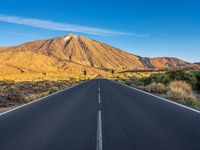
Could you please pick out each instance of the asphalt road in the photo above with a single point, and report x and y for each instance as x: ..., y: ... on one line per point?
x: 100, y: 115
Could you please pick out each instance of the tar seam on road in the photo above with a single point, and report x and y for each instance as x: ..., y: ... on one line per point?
x: 99, y: 144
x: 160, y: 98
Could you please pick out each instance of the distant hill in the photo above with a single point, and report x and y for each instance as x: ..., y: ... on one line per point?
x: 73, y: 52
x: 163, y: 62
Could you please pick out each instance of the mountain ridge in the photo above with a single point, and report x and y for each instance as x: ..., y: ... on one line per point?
x: 73, y: 49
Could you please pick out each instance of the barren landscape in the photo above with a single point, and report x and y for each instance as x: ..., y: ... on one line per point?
x: 38, y: 68
x: 99, y: 75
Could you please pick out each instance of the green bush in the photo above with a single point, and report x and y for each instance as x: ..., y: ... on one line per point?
x: 147, y: 81
x: 176, y: 74
x: 180, y: 74
x: 160, y: 78
x: 138, y: 81
x: 190, y: 78
x: 192, y: 103
x: 197, y: 75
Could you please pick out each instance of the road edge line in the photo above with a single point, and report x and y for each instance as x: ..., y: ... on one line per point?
x: 161, y: 98
x: 39, y: 99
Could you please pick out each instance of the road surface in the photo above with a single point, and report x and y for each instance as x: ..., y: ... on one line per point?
x: 100, y: 115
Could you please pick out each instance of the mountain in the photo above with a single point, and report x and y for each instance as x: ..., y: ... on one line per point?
x: 71, y: 51
x: 163, y: 62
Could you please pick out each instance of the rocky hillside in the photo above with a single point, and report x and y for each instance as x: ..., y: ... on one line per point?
x: 61, y: 53
x: 163, y: 62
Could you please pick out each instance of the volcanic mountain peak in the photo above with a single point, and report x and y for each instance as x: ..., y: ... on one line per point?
x: 66, y: 38
x: 80, y: 51
x: 69, y: 36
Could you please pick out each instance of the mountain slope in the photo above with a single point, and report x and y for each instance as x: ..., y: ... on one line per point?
x: 81, y: 50
x: 163, y: 62
x: 58, y: 54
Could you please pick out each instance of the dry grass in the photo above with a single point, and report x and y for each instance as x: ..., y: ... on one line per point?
x: 128, y: 75
x: 50, y: 76
x: 14, y: 93
x: 181, y: 91
x: 156, y: 88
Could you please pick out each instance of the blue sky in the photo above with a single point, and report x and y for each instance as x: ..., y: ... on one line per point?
x: 143, y: 27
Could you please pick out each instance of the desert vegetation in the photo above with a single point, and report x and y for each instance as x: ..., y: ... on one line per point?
x: 179, y: 85
x: 15, y: 93
x: 19, y: 88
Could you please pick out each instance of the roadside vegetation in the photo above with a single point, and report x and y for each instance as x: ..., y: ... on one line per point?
x: 20, y: 88
x: 16, y: 93
x: 178, y: 85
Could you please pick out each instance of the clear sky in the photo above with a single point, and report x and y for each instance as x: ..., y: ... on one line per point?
x: 144, y: 27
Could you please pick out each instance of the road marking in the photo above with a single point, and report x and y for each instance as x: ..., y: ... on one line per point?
x: 161, y: 98
x: 26, y: 104
x: 99, y: 86
x: 99, y: 144
x: 99, y: 100
x: 99, y: 93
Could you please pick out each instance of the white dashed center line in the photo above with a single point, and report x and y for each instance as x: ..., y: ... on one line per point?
x: 99, y: 93
x: 99, y: 145
x: 99, y: 99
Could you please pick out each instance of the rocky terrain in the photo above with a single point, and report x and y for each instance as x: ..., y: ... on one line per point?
x: 71, y: 53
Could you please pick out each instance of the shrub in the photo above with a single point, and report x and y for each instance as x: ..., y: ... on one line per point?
x: 128, y: 83
x: 156, y: 87
x: 137, y: 81
x: 197, y: 75
x: 53, y: 90
x: 181, y: 91
x: 160, y: 78
x: 176, y: 74
x: 13, y: 96
x: 180, y: 74
x: 147, y: 81
x: 190, y: 78
x: 193, y: 103
x: 3, y: 101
